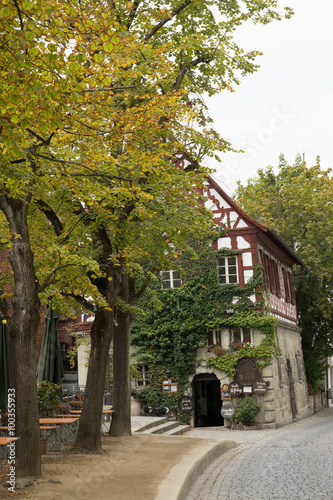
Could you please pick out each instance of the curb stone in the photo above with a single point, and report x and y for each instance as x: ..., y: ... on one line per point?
x: 182, y: 476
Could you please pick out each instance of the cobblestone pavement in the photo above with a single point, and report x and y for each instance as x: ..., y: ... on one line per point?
x: 294, y: 462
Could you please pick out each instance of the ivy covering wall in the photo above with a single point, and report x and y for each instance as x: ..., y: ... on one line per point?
x: 174, y: 323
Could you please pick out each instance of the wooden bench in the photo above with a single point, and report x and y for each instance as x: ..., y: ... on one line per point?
x: 6, y: 440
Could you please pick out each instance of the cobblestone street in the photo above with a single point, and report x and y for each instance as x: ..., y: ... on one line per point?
x: 293, y: 462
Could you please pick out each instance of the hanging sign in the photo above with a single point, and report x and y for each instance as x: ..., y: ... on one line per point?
x: 235, y: 389
x: 227, y: 411
x: 247, y: 373
x: 260, y: 387
x: 225, y: 394
x: 185, y: 404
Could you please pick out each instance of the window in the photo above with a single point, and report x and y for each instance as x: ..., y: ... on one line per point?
x: 227, y: 270
x: 215, y: 337
x: 288, y: 281
x: 144, y: 379
x: 241, y: 335
x: 171, y: 279
x: 271, y: 272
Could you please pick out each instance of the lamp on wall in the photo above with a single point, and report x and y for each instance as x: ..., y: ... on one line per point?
x: 230, y: 311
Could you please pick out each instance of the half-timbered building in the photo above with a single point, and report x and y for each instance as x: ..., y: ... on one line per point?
x: 249, y: 244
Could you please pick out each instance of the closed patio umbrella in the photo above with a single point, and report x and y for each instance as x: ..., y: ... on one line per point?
x: 4, y: 363
x: 4, y: 358
x: 50, y: 363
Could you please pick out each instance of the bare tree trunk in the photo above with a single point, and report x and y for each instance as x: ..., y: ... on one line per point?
x: 121, y: 418
x: 23, y: 329
x: 89, y: 433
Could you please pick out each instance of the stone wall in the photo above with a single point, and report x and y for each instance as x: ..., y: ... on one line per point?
x: 287, y: 397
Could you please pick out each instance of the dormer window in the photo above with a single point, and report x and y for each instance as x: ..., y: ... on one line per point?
x: 171, y: 279
x: 227, y: 270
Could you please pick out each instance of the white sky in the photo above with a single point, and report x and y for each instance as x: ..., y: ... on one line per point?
x: 286, y: 106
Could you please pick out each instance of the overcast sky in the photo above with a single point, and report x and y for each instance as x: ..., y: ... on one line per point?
x: 286, y: 106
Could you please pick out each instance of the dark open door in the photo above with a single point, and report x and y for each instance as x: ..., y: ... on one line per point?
x: 207, y: 400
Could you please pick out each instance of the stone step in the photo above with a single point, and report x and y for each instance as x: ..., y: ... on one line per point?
x: 141, y: 424
x: 178, y: 431
x: 166, y: 427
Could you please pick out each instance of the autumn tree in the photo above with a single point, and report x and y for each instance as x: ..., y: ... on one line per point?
x: 74, y: 82
x: 296, y: 201
x: 53, y: 56
x: 179, y: 50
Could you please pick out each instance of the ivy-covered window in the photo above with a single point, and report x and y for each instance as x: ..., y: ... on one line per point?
x: 215, y: 337
x: 241, y: 335
x: 227, y: 270
x: 171, y: 279
x: 143, y: 381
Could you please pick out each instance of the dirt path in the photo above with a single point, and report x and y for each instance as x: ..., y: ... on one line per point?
x: 132, y: 469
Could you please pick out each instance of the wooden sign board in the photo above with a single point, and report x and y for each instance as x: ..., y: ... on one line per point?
x: 260, y: 387
x: 227, y: 411
x: 186, y: 404
x: 225, y: 394
x: 235, y: 389
x: 247, y: 372
x: 170, y: 387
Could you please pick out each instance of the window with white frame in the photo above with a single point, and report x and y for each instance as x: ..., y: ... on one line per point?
x: 241, y: 335
x: 215, y: 337
x: 143, y: 381
x: 227, y: 270
x: 171, y: 279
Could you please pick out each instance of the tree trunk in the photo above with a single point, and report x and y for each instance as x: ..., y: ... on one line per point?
x: 121, y: 418
x: 89, y: 433
x: 23, y: 329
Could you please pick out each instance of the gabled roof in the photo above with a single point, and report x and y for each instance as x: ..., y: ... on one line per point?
x: 270, y: 233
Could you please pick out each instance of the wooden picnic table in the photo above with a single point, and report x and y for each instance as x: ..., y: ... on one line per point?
x: 65, y: 415
x: 6, y: 440
x: 55, y: 421
x: 42, y: 427
x: 104, y: 412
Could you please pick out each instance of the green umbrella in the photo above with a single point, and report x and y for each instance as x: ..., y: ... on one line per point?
x: 50, y: 363
x: 4, y: 363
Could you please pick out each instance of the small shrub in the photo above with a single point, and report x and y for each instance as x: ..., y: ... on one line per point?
x: 48, y: 399
x: 246, y: 411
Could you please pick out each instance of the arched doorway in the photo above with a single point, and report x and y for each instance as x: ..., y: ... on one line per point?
x: 207, y: 400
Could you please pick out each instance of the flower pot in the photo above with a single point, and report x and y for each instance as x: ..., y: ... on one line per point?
x: 43, y: 446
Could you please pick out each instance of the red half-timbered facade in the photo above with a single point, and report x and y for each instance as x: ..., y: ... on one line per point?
x: 257, y: 244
